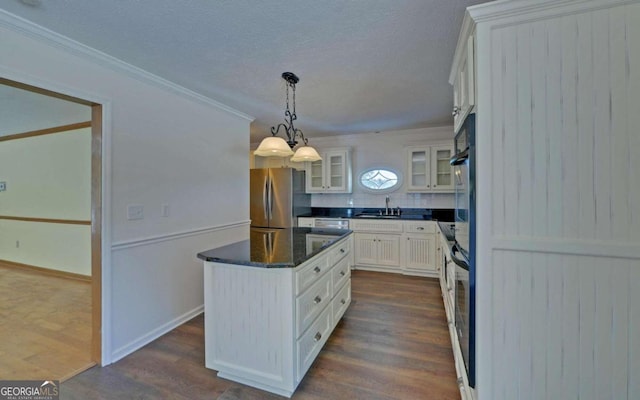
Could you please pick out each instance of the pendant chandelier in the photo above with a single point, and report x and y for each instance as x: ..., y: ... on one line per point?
x: 276, y: 146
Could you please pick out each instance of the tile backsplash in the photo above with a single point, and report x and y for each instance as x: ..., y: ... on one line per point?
x: 402, y: 200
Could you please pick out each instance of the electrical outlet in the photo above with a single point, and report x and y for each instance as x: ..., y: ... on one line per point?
x: 135, y: 211
x: 3, y: 186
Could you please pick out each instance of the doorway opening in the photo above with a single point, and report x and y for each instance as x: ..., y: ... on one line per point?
x: 49, y: 234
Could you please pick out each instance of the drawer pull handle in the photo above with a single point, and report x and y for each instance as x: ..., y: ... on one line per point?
x: 342, y: 273
x: 317, y: 337
x: 316, y: 270
x: 420, y: 228
x: 317, y: 300
x: 343, y: 301
x: 341, y: 250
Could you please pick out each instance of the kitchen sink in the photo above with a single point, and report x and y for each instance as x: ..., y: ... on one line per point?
x: 377, y: 216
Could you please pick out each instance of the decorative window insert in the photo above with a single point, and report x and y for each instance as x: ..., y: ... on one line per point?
x: 379, y: 180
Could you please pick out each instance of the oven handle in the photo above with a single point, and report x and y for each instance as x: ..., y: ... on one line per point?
x: 460, y: 158
x: 460, y: 262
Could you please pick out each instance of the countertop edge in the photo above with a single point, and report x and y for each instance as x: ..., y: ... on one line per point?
x: 344, y: 233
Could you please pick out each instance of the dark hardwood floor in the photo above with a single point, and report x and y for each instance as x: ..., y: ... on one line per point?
x: 392, y: 343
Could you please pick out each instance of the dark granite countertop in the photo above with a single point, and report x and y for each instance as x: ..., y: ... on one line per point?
x: 276, y: 248
x: 412, y: 214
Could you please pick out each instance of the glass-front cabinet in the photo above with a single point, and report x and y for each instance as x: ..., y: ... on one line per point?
x: 428, y: 168
x: 332, y: 174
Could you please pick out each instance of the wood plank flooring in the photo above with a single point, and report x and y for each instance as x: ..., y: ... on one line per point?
x: 392, y: 343
x: 45, y: 325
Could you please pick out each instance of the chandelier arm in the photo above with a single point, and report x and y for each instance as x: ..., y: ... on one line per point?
x: 299, y: 133
x: 275, y: 130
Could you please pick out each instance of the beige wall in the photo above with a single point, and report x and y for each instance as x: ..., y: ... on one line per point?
x: 47, y: 177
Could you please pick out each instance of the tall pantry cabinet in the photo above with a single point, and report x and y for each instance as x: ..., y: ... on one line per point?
x: 557, y: 93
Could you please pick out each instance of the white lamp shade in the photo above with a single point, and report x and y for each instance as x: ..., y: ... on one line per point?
x: 306, y: 153
x: 273, y: 147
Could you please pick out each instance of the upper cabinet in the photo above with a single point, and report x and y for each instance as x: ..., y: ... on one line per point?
x: 463, y: 77
x: 428, y: 168
x: 332, y: 174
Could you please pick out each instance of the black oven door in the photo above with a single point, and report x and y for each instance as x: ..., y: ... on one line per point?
x: 465, y: 237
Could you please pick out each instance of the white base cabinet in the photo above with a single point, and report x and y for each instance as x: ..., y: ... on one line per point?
x: 265, y: 326
x: 377, y: 250
x: 407, y: 247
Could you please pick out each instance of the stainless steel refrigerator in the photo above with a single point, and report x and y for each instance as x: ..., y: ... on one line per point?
x: 277, y: 197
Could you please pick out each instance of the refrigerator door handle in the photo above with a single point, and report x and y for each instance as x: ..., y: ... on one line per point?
x: 270, y: 200
x: 265, y: 197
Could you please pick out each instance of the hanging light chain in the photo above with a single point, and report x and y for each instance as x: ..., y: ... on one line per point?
x: 288, y: 127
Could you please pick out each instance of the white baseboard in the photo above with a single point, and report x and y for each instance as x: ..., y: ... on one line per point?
x: 393, y: 270
x: 154, y: 334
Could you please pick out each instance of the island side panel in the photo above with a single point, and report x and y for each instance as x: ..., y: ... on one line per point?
x: 249, y: 324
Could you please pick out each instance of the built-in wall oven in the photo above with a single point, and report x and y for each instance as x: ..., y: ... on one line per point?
x: 463, y: 251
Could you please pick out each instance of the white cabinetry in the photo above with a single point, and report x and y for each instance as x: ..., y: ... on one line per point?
x: 332, y: 174
x: 306, y: 222
x: 428, y: 168
x: 464, y: 84
x: 407, y: 247
x: 377, y: 244
x: 377, y: 249
x: 267, y: 341
x: 419, y: 251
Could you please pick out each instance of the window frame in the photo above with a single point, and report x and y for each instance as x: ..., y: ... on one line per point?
x: 394, y: 188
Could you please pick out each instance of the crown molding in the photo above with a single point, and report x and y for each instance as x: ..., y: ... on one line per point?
x: 536, y: 9
x: 51, y: 38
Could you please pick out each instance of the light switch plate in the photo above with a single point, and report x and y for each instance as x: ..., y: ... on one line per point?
x: 3, y: 186
x: 135, y: 211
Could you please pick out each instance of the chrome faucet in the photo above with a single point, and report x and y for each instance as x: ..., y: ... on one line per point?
x: 386, y: 208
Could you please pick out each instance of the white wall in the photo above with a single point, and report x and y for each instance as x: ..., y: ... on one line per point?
x: 47, y: 177
x: 384, y: 149
x: 167, y: 146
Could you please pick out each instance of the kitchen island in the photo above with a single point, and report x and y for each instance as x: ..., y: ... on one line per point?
x: 272, y: 301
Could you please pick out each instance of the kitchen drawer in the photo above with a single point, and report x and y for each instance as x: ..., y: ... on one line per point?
x: 340, y: 251
x: 311, y: 303
x: 420, y: 227
x: 361, y: 225
x: 310, y: 344
x: 310, y: 273
x: 340, y: 273
x: 341, y: 302
x: 306, y: 222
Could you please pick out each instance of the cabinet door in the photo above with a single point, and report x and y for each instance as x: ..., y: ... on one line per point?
x: 365, y: 248
x: 420, y: 252
x: 314, y: 177
x: 332, y: 174
x: 441, y: 169
x: 464, y: 86
x: 418, y: 159
x: 335, y: 171
x: 388, y: 250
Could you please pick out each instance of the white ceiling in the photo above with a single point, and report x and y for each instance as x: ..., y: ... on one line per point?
x: 364, y: 65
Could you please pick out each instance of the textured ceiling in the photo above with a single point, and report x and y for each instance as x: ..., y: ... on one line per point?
x: 364, y: 65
